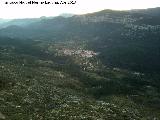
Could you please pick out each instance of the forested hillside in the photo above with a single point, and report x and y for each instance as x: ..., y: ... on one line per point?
x: 98, y: 66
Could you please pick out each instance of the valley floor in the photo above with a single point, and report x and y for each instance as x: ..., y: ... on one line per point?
x: 54, y: 81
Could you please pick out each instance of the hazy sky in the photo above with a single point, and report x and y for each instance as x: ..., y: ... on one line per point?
x: 81, y: 7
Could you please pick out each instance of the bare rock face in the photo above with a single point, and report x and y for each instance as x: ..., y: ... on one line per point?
x: 2, y: 116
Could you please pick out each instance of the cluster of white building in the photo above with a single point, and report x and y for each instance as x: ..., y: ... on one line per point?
x: 82, y: 53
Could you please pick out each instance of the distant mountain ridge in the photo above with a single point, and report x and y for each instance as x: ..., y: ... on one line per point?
x: 128, y: 39
x: 66, y: 15
x: 97, y: 66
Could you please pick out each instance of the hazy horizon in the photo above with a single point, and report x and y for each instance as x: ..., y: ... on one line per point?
x: 12, y: 11
x: 61, y: 14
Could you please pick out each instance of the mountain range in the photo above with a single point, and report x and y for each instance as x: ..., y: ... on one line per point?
x: 128, y: 39
x: 96, y: 66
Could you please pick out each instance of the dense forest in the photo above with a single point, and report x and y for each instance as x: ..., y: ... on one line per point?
x: 97, y: 66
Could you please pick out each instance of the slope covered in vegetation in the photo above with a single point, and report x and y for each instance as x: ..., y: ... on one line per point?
x: 100, y: 66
